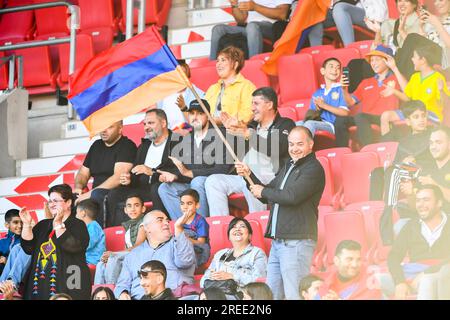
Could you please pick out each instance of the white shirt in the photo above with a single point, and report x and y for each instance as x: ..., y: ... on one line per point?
x: 256, y: 16
x: 432, y: 235
x: 376, y: 10
x: 154, y: 155
x: 198, y: 138
x: 260, y: 164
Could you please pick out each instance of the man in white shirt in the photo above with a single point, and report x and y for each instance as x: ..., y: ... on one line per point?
x: 152, y: 156
x: 254, y: 19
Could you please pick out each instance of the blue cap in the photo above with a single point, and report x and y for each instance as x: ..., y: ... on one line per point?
x: 381, y: 51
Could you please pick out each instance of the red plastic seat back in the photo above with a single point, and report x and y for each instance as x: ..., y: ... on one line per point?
x: 297, y: 77
x: 258, y: 235
x: 134, y: 132
x: 3, y: 73
x: 344, y: 225
x: 362, y: 46
x: 262, y: 218
x: 356, y: 170
x: 85, y: 52
x: 288, y: 112
x: 204, y: 77
x: 218, y: 237
x: 98, y: 13
x: 115, y: 238
x: 328, y: 192
x: 334, y: 156
x: 51, y: 21
x: 252, y: 71
x: 386, y: 151
x: 317, y: 49
x: 37, y: 66
x: 151, y: 12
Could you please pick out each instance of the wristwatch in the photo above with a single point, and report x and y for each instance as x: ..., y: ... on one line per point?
x: 60, y: 226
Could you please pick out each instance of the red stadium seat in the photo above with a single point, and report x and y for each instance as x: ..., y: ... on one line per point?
x: 51, y: 22
x: 392, y: 8
x: 238, y: 205
x: 134, y: 132
x: 288, y: 112
x: 218, y: 237
x: 201, y: 62
x: 356, y: 170
x: 324, y: 140
x: 84, y: 52
x: 386, y: 151
x: 163, y: 12
x: 16, y: 27
x: 297, y: 77
x: 335, y: 156
x: 156, y: 12
x: 97, y: 20
x: 320, y: 251
x: 3, y: 234
x: 363, y: 47
x: 252, y: 71
x: 344, y: 225
x: 343, y: 55
x: 258, y: 235
x: 115, y: 238
x: 263, y: 218
x: 302, y: 106
x: 317, y: 49
x: 328, y: 192
x: 204, y: 77
x: 38, y: 75
x: 262, y: 56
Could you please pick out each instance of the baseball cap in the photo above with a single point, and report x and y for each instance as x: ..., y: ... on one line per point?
x: 381, y: 51
x: 194, y: 105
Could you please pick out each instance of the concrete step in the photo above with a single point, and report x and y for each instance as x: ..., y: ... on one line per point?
x: 201, y: 17
x: 190, y: 34
x: 40, y: 166
x: 194, y: 50
x: 61, y: 147
x: 36, y: 183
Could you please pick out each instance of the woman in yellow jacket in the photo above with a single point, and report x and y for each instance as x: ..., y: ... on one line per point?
x: 231, y: 97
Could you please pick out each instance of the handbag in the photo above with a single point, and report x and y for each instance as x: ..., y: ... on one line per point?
x: 313, y: 115
x: 228, y: 286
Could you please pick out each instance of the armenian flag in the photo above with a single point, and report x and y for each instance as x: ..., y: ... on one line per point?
x: 125, y: 80
x: 307, y: 14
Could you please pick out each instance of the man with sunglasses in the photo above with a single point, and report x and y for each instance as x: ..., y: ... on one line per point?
x: 153, y: 276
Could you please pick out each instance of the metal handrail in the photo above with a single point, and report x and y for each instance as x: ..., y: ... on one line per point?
x: 129, y: 18
x: 74, y: 25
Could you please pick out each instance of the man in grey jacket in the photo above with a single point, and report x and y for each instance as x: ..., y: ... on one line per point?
x: 294, y: 194
x: 176, y: 252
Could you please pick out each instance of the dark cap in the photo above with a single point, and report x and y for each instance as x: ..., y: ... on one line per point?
x: 194, y: 105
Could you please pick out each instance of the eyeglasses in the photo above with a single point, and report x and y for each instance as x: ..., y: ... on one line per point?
x: 56, y: 201
x: 144, y: 273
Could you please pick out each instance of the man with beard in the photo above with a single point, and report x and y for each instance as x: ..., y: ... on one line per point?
x: 105, y: 162
x: 152, y: 155
x: 200, y: 155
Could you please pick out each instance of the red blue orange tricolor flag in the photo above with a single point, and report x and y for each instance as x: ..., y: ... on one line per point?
x: 125, y: 80
x: 307, y: 14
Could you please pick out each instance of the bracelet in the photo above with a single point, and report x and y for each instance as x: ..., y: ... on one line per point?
x: 59, y: 226
x: 184, y: 109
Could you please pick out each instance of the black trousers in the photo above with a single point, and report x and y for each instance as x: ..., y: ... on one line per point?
x: 362, y: 122
x: 116, y: 202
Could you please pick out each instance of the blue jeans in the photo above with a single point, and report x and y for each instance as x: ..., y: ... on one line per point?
x: 220, y: 186
x: 289, y: 262
x: 16, y: 266
x: 108, y: 273
x: 343, y: 16
x: 254, y: 31
x: 314, y: 125
x: 170, y: 196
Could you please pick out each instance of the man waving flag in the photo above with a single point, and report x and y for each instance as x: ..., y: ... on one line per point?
x: 125, y: 80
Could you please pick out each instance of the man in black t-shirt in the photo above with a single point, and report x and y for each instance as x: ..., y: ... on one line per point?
x: 106, y: 160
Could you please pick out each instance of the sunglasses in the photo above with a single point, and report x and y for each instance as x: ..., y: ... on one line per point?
x: 144, y: 273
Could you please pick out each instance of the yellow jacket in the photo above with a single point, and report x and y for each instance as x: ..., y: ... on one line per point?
x: 236, y: 99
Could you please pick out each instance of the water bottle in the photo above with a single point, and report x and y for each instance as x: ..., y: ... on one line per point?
x: 387, y: 161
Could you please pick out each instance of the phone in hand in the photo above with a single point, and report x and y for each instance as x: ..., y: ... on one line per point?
x: 346, y: 73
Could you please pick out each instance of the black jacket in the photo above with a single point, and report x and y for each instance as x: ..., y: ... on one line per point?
x: 210, y: 158
x: 142, y: 180
x: 167, y: 294
x: 298, y: 201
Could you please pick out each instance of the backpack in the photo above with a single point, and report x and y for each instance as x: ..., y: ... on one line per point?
x: 238, y: 40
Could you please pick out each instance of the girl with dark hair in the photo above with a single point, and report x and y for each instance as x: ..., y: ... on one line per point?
x: 58, y: 249
x: 103, y: 293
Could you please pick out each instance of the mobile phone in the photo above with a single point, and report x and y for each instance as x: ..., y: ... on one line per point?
x: 346, y: 72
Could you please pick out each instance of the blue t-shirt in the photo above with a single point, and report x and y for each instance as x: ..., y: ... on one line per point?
x: 334, y: 97
x: 198, y: 228
x: 96, y: 243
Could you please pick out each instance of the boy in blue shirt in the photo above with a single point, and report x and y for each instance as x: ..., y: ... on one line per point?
x: 195, y: 226
x: 14, y: 225
x: 87, y: 211
x: 328, y: 100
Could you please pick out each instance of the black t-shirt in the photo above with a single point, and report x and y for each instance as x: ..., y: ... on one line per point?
x: 101, y: 159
